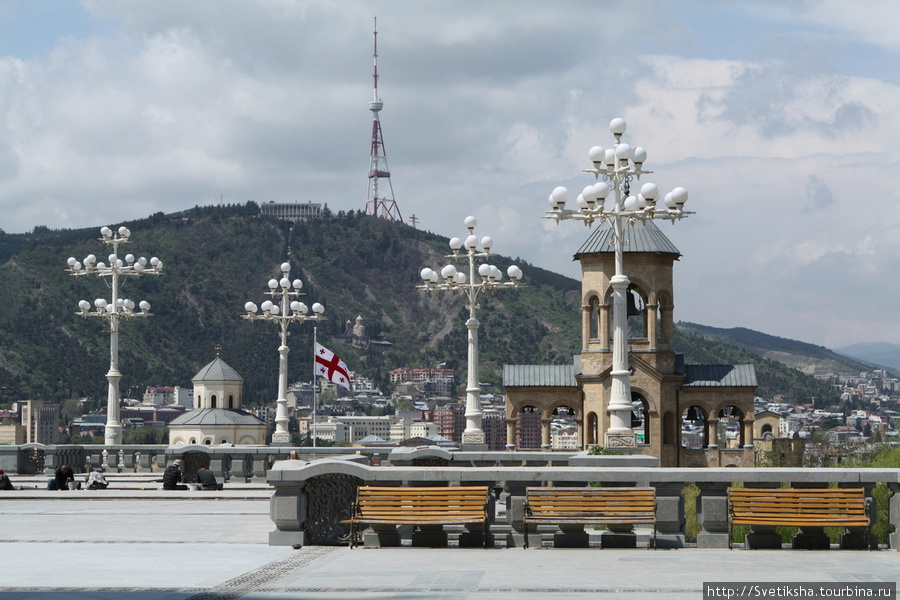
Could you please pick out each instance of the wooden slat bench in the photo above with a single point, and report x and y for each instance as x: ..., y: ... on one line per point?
x: 590, y: 506
x: 798, y: 507
x: 461, y: 505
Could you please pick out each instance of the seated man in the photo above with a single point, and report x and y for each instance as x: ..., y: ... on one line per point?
x: 63, y: 479
x: 207, y: 479
x: 5, y: 483
x: 172, y: 477
x: 96, y: 481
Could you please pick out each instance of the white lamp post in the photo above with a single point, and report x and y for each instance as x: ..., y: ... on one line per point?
x: 617, y: 167
x: 117, y: 308
x: 283, y: 311
x: 490, y: 278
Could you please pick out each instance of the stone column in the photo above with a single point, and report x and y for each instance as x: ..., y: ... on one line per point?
x: 712, y: 431
x: 515, y: 516
x: 652, y: 325
x: 712, y: 514
x: 511, y: 433
x: 287, y: 509
x: 545, y: 433
x: 670, y: 515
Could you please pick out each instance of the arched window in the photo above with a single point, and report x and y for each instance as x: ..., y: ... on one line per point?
x: 231, y: 401
x: 212, y: 401
x: 640, y: 418
x: 693, y: 428
x: 208, y: 442
x: 595, y: 318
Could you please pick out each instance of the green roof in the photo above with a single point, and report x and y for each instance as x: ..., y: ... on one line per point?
x: 217, y: 370
x: 642, y: 236
x: 719, y: 376
x: 539, y: 376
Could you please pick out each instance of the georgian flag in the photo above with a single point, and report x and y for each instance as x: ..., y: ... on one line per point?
x: 331, y: 367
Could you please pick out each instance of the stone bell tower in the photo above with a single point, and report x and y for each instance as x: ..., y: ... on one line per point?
x: 649, y: 258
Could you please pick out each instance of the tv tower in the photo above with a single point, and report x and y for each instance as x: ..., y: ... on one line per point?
x: 380, y: 197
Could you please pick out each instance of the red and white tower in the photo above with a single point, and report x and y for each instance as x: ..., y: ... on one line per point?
x: 380, y: 197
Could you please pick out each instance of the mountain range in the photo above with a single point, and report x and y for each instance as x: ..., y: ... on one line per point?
x: 217, y: 258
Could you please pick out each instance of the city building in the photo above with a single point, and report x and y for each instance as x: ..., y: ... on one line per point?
x: 292, y: 211
x: 41, y: 421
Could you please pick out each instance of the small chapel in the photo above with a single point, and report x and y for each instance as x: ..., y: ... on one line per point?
x: 685, y: 415
x: 217, y: 417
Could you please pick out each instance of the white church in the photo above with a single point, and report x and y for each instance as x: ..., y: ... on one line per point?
x: 217, y: 417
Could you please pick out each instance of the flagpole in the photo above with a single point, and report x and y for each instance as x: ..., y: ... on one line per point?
x: 315, y: 341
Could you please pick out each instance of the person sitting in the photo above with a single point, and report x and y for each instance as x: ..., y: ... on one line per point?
x: 207, y: 479
x: 5, y: 483
x: 172, y: 477
x: 62, y: 478
x: 96, y: 481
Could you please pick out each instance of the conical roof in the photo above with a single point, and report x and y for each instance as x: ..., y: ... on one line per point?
x: 642, y: 236
x: 217, y: 370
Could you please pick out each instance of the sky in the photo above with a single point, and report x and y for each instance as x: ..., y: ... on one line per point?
x: 779, y: 117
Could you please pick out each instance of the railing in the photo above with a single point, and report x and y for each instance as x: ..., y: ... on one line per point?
x: 311, y: 498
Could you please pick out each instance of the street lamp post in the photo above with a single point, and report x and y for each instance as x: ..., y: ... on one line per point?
x: 114, y: 310
x: 615, y: 168
x: 284, y: 310
x: 490, y: 279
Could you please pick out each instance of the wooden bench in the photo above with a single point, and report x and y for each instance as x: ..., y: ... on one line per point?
x: 461, y: 505
x: 798, y: 507
x: 590, y: 506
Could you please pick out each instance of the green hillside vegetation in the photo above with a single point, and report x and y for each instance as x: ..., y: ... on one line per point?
x: 772, y: 377
x: 218, y: 258
x: 809, y: 358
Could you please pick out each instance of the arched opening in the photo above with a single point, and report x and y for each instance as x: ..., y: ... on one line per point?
x: 693, y: 428
x: 224, y: 441
x: 231, y: 401
x: 208, y: 442
x: 212, y: 401
x: 730, y: 430
x: 193, y: 440
x: 528, y: 428
x: 564, y: 429
x: 640, y: 418
x: 636, y: 310
x: 595, y: 318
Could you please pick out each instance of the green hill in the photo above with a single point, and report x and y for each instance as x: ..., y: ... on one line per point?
x: 217, y: 258
x: 809, y: 358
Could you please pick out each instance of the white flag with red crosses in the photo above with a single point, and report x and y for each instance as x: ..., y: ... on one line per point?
x: 331, y: 367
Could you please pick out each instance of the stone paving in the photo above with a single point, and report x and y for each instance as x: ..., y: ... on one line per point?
x: 156, y: 547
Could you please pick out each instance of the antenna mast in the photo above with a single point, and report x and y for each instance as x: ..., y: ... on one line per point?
x: 380, y: 197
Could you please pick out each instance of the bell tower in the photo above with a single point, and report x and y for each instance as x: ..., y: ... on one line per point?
x: 649, y: 259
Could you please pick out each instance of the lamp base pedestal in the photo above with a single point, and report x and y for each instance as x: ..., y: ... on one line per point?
x: 615, y: 440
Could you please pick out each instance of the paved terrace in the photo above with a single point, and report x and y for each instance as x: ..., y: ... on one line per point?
x: 136, y: 544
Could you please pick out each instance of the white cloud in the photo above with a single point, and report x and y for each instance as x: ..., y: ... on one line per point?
x: 791, y: 161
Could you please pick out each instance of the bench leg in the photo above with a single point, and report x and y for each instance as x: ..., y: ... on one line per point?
x: 429, y: 536
x: 762, y: 537
x: 381, y: 536
x: 475, y: 535
x: 810, y: 538
x: 571, y: 536
x: 618, y: 536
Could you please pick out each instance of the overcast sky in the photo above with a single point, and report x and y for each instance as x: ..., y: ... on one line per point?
x: 780, y: 118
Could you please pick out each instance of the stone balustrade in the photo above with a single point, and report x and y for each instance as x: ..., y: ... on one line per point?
x: 312, y: 497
